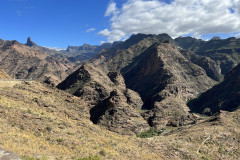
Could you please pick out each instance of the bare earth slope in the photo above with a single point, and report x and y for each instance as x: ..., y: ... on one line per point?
x: 38, y: 121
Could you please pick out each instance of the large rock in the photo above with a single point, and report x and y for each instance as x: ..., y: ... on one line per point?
x: 6, y: 155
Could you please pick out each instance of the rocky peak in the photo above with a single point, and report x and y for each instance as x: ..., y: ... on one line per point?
x: 117, y: 79
x: 134, y: 39
x: 30, y: 43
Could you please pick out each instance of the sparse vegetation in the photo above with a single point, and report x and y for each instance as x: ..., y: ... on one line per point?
x: 102, y: 153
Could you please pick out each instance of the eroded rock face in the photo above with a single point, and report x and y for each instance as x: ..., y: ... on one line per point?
x: 134, y: 99
x: 169, y: 112
x: 162, y: 71
x: 117, y: 115
x: 117, y: 79
x: 30, y: 43
x: 89, y: 83
x: 6, y: 155
x: 111, y: 104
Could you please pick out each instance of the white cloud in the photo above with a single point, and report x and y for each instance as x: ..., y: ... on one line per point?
x: 196, y: 17
x: 55, y: 48
x: 90, y: 29
x: 111, y: 9
x: 237, y: 35
x: 104, y: 32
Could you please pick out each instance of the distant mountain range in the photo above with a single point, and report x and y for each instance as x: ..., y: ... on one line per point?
x: 30, y: 61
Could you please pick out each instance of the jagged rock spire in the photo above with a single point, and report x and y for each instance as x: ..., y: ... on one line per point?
x: 30, y: 43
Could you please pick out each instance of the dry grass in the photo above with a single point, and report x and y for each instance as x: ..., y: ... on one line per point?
x: 36, y: 121
x: 45, y: 123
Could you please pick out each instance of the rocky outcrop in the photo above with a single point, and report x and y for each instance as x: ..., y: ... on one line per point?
x: 6, y: 155
x: 117, y: 115
x: 224, y: 96
x: 30, y: 43
x: 117, y: 79
x: 111, y: 104
x: 169, y: 112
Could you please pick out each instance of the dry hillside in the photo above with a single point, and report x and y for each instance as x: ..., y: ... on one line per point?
x: 41, y: 122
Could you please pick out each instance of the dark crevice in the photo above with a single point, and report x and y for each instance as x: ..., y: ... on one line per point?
x: 98, y: 110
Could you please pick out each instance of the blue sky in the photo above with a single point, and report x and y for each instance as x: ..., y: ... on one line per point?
x: 59, y: 23
x: 54, y: 23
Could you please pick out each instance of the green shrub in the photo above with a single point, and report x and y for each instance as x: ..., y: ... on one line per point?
x: 150, y: 133
x: 102, y: 153
x: 90, y: 158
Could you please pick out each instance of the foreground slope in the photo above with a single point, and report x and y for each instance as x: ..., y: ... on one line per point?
x: 46, y: 123
x: 38, y: 121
